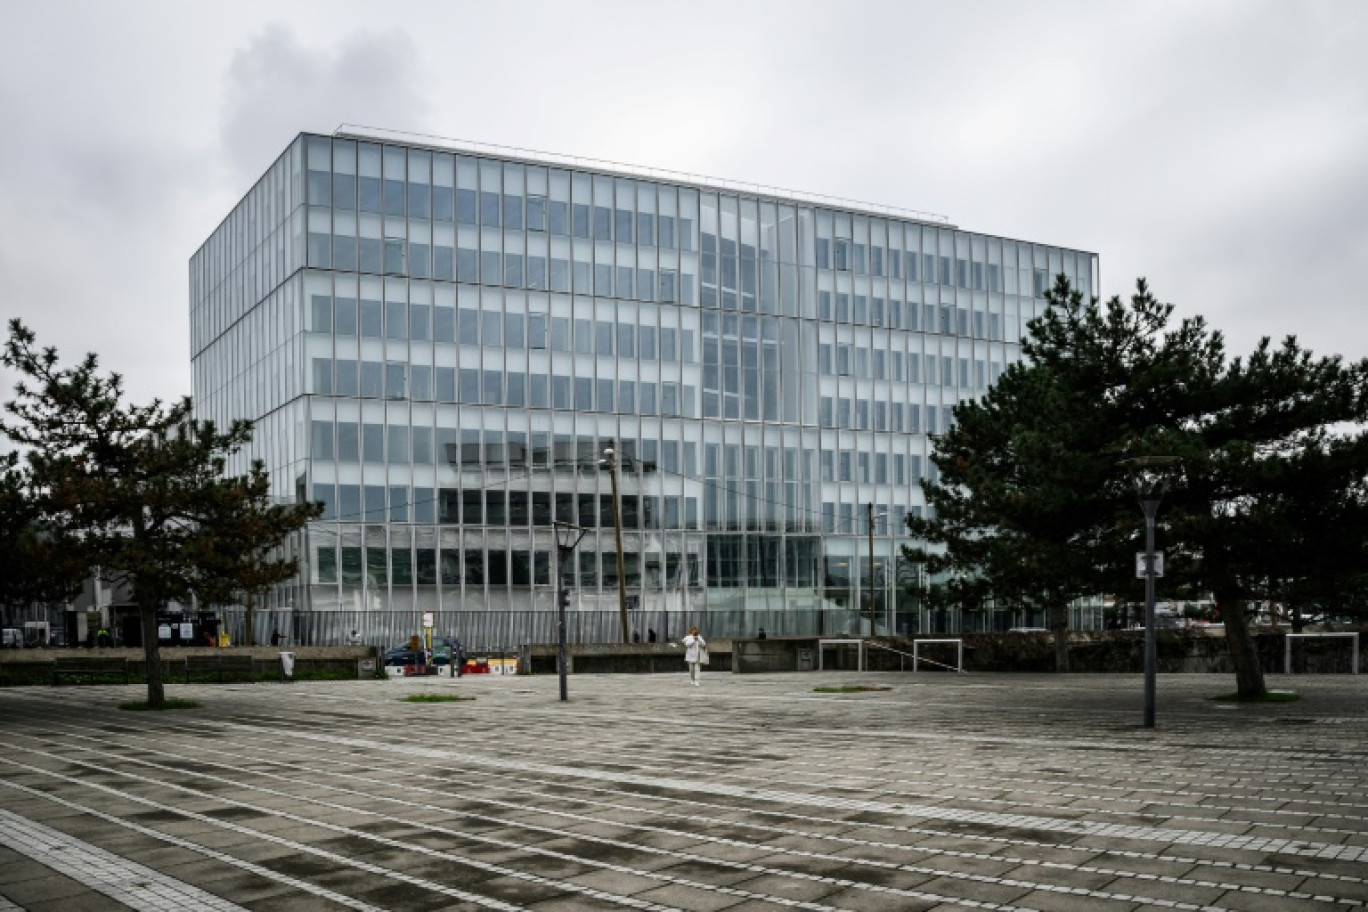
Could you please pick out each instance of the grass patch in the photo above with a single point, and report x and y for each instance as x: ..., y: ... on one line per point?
x: 142, y: 705
x: 435, y: 698
x: 849, y: 689
x: 1273, y: 696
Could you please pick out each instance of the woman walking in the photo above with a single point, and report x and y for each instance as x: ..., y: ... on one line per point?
x: 696, y: 655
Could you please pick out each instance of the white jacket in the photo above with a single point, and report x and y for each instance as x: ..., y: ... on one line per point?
x: 692, y: 646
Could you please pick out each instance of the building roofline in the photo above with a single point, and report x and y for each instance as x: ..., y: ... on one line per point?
x: 704, y: 182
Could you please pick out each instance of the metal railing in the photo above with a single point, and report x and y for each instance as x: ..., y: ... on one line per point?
x: 493, y: 631
x: 363, y: 132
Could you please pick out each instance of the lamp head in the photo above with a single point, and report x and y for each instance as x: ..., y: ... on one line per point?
x: 568, y: 535
x: 1151, y: 474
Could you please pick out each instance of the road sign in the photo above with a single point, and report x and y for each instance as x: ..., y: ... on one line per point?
x: 427, y: 620
x: 1140, y: 564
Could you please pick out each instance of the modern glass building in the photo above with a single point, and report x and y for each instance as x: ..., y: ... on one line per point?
x: 439, y: 340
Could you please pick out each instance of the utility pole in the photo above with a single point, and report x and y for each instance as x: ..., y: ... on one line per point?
x: 610, y: 457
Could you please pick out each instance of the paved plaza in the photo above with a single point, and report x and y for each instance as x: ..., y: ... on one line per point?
x: 944, y: 792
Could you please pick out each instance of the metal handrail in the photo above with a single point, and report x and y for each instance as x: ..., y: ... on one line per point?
x: 360, y: 131
x: 916, y: 656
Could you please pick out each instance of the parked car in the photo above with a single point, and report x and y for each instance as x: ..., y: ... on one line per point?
x: 402, y: 656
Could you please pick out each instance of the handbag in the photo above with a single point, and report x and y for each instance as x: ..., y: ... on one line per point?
x: 702, y: 655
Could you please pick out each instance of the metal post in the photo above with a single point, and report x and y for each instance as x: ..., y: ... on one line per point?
x: 1152, y: 474
x: 567, y: 537
x: 611, y: 458
x: 871, y: 568
x: 1151, y: 507
x: 563, y: 555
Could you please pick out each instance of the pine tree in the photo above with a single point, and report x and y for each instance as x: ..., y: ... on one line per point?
x: 32, y: 569
x: 138, y: 491
x: 1034, y: 505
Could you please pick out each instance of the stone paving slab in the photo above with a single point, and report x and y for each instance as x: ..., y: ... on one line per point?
x: 944, y: 792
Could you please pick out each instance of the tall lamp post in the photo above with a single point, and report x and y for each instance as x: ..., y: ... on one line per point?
x: 610, y: 460
x: 872, y: 517
x: 1150, y: 485
x: 567, y: 537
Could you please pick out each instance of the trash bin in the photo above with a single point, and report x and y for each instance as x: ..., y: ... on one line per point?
x: 805, y: 660
x: 365, y: 668
x: 287, y: 660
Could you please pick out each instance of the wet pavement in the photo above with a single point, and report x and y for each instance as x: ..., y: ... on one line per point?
x: 942, y: 791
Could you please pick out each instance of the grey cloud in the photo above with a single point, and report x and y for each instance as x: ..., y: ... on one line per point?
x: 1215, y: 147
x: 276, y: 87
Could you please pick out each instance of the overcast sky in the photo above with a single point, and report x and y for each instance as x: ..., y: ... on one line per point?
x: 1218, y: 148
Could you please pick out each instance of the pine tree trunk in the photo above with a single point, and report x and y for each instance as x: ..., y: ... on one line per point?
x: 156, y: 686
x: 248, y: 615
x: 1249, y: 679
x: 1059, y: 624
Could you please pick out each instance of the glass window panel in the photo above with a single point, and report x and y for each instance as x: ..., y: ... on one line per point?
x: 493, y: 387
x: 513, y: 212
x: 372, y: 379
x: 347, y: 379
x: 399, y: 512
x: 396, y: 380
x: 322, y: 376
x: 443, y: 204
x: 348, y: 506
x: 470, y: 385
x: 375, y: 510
x: 467, y: 205
x: 419, y: 201
x: 513, y: 330
x: 536, y: 213
x: 489, y: 209
x: 322, y: 440
x: 468, y: 324
x: 492, y: 324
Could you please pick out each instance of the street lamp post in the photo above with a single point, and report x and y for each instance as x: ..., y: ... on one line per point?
x: 1150, y: 485
x: 1150, y: 504
x: 610, y: 460
x: 871, y: 566
x: 567, y: 537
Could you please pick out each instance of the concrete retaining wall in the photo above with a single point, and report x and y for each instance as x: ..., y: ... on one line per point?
x: 621, y: 658
x: 1194, y: 650
x: 34, y: 666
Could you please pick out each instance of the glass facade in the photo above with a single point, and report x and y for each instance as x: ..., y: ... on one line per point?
x: 439, y: 345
